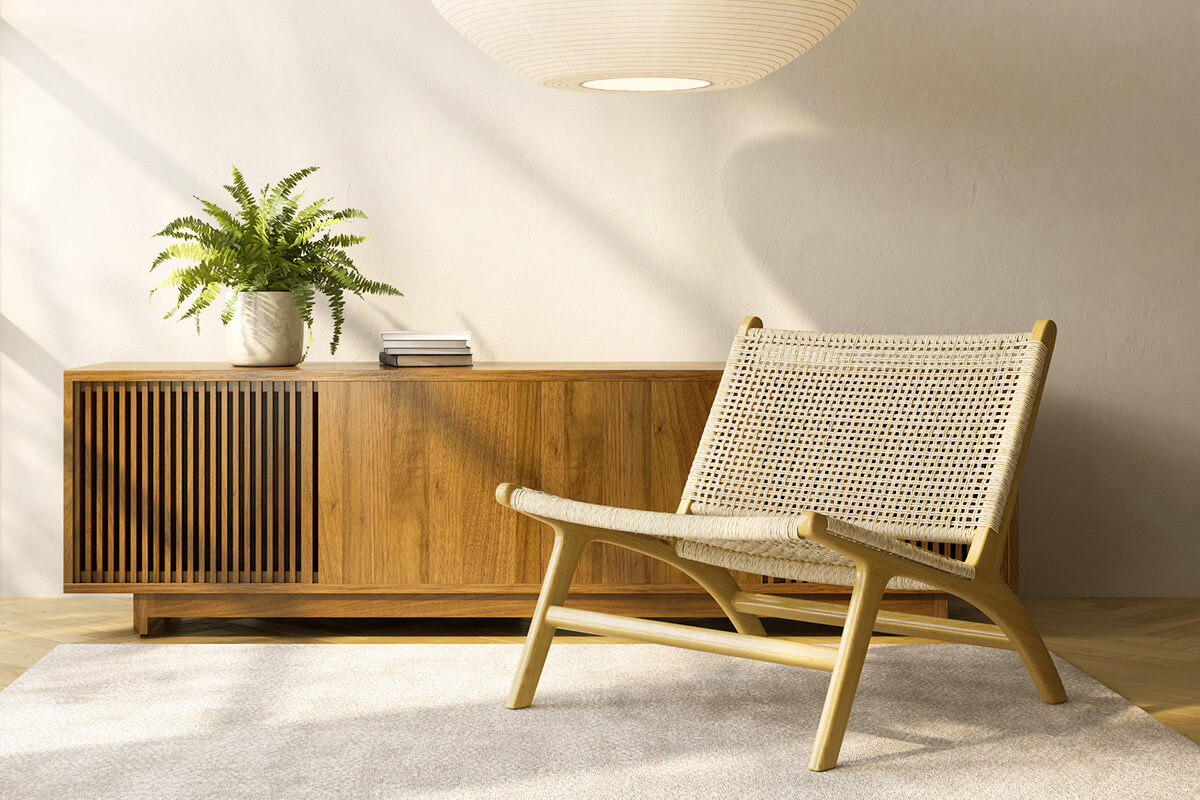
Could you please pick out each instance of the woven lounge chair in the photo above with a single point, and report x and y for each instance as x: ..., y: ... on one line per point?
x: 823, y: 457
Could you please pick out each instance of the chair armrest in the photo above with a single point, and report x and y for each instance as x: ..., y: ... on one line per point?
x: 550, y: 508
x: 839, y: 533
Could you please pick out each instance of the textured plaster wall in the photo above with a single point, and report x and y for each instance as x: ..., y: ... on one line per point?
x: 935, y: 166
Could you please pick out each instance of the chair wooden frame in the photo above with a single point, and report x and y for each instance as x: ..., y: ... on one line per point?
x: 1013, y: 629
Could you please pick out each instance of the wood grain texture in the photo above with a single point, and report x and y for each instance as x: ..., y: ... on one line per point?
x: 407, y: 473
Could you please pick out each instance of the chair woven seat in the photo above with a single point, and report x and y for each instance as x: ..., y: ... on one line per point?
x: 769, y: 544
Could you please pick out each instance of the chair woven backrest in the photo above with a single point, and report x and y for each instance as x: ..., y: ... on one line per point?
x: 912, y: 436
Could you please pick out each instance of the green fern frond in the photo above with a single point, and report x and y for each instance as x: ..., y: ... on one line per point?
x: 377, y: 287
x: 193, y: 251
x: 224, y: 218
x: 270, y: 243
x: 345, y: 240
x: 189, y: 228
x: 207, y: 295
x: 288, y: 184
x: 229, y: 308
x: 244, y: 197
x: 337, y: 309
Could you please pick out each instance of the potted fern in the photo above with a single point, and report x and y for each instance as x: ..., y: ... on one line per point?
x: 274, y: 254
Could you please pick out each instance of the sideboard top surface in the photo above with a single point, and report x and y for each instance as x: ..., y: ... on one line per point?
x: 372, y: 371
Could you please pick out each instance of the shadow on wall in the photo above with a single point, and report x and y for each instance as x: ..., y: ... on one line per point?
x: 1097, y: 492
x: 30, y: 356
x: 29, y: 452
x: 1007, y: 180
x: 980, y: 188
x: 30, y: 59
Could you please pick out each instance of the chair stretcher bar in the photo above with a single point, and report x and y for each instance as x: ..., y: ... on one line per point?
x: 946, y: 630
x: 777, y: 651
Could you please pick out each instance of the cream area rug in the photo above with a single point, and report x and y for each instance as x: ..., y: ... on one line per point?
x: 158, y: 721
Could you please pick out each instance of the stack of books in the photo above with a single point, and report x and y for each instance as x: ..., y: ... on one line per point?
x: 425, y: 349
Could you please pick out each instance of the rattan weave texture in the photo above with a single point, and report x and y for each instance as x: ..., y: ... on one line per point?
x: 905, y: 437
x: 911, y: 436
x: 774, y: 536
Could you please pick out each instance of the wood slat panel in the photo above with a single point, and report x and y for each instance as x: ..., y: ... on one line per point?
x: 144, y: 467
x: 215, y: 454
x: 177, y: 480
x: 284, y: 533
x: 223, y: 494
x: 157, y: 549
x: 292, y: 404
x: 241, y: 458
x: 305, y: 400
x: 120, y: 443
x: 190, y: 482
x: 267, y: 498
x: 256, y: 435
x: 109, y: 451
x: 84, y: 439
x: 189, y: 478
x: 200, y: 437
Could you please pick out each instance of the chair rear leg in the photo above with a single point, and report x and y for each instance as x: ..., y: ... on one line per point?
x: 1007, y: 612
x: 567, y: 548
x: 722, y: 587
x: 856, y: 636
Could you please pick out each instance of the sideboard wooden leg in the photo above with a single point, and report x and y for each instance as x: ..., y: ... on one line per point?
x: 143, y: 623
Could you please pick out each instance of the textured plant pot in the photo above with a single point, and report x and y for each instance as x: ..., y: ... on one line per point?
x: 266, y: 331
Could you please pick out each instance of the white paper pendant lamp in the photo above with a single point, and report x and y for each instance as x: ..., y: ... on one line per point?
x: 644, y: 45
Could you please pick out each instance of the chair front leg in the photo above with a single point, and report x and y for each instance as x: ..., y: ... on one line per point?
x: 568, y: 545
x: 856, y: 636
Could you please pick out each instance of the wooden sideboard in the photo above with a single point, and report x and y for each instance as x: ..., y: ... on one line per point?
x: 354, y: 490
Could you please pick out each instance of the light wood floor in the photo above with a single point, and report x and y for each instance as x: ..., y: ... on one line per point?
x: 1147, y: 650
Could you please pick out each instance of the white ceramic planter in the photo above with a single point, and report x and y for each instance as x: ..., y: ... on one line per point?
x: 266, y: 331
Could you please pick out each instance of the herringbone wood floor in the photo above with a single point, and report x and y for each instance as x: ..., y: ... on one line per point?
x: 1148, y: 650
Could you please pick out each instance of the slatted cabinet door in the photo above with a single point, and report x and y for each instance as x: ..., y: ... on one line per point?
x: 191, y: 482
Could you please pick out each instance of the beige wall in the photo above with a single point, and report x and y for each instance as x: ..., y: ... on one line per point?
x: 933, y: 166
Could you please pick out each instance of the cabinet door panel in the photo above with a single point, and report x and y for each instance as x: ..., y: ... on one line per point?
x: 623, y: 443
x: 407, y: 475
x: 596, y: 448
x: 480, y: 435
